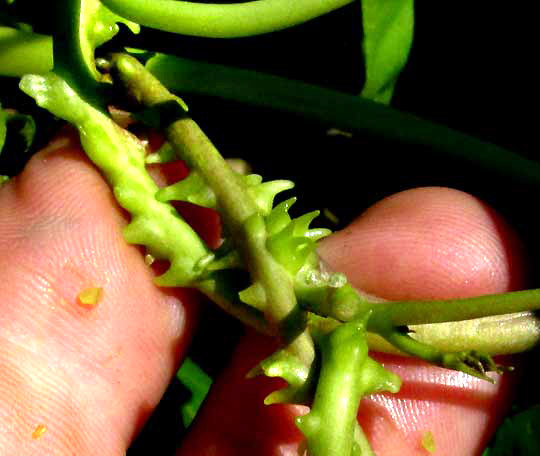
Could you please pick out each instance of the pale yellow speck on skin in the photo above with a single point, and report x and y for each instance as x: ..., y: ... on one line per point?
x: 39, y: 431
x: 90, y: 297
x: 428, y: 441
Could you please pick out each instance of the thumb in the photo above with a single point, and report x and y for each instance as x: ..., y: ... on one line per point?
x: 74, y: 378
x: 431, y: 243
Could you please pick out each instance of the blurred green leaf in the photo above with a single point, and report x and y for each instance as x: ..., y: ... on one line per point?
x: 3, y: 128
x: 14, y: 123
x: 198, y: 383
x: 388, y: 34
x: 519, y: 435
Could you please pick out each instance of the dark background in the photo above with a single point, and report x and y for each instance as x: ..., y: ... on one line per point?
x: 470, y: 68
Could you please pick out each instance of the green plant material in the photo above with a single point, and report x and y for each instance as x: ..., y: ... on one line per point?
x: 121, y: 158
x: 298, y: 376
x: 277, y: 251
x: 165, y: 154
x: 388, y: 34
x: 155, y: 224
x: 428, y: 442
x: 3, y: 127
x: 23, y: 52
x: 81, y: 27
x: 414, y: 312
x: 361, y: 446
x: 15, y: 123
x: 222, y: 20
x: 90, y: 297
x: 198, y: 383
x: 518, y: 435
x: 347, y: 374
x: 8, y: 20
x: 242, y: 210
x: 350, y: 113
x: 3, y: 179
x: 293, y: 245
x: 192, y: 189
x: 347, y: 112
x: 496, y: 335
x: 509, y: 328
x: 401, y: 313
x: 471, y: 362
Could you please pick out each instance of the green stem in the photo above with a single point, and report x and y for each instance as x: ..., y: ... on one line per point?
x: 222, y: 20
x: 439, y: 311
x: 120, y: 156
x: 472, y: 362
x: 336, y: 109
x: 329, y: 426
x: 494, y: 324
x: 239, y: 211
x: 346, y: 304
x: 362, y: 443
x: 347, y: 374
x: 24, y: 52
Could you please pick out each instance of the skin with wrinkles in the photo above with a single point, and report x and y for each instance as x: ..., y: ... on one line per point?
x: 71, y: 369
x: 65, y: 366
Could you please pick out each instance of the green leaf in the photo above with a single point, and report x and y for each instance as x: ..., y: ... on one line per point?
x: 3, y: 127
x: 198, y: 383
x: 14, y: 123
x: 388, y: 33
x: 518, y: 435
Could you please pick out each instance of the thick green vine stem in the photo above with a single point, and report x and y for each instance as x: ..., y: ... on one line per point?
x: 291, y: 243
x: 222, y: 20
x: 348, y: 304
x: 347, y: 374
x: 272, y: 289
x: 121, y: 157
